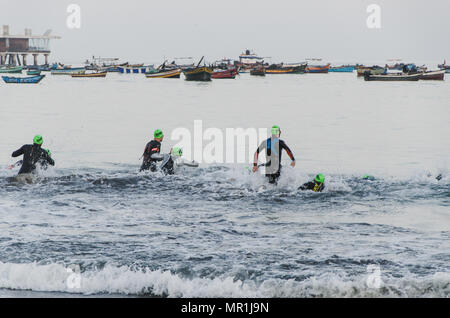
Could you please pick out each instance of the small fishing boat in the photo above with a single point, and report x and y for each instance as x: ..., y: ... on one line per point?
x: 433, y: 75
x: 286, y: 69
x: 23, y: 80
x: 164, y: 73
x: 34, y: 72
x: 198, y: 73
x: 230, y: 73
x: 7, y: 69
x: 98, y: 74
x: 258, y: 70
x: 134, y: 69
x: 374, y: 70
x: 391, y: 77
x: 317, y: 68
x: 343, y: 69
x: 69, y: 71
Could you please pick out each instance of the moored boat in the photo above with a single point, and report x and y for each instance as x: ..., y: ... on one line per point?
x: 98, y: 74
x: 34, y: 72
x: 391, y: 77
x: 374, y: 70
x: 433, y: 75
x: 230, y: 73
x: 317, y: 68
x: 286, y: 69
x: 134, y: 69
x: 23, y: 80
x: 258, y: 71
x: 344, y: 69
x: 68, y: 71
x: 164, y: 74
x: 198, y: 73
x: 15, y: 69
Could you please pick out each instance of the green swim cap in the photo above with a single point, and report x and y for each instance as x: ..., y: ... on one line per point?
x: 38, y: 140
x: 48, y: 152
x: 368, y: 177
x: 177, y: 151
x: 158, y: 133
x: 276, y: 130
x: 319, y: 178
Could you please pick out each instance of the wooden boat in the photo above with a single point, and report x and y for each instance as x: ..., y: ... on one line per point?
x: 433, y: 75
x: 286, y: 69
x: 258, y: 71
x: 34, y: 72
x: 17, y: 69
x: 98, y: 74
x: 318, y: 68
x: 230, y: 73
x: 23, y: 80
x: 374, y: 70
x: 391, y: 77
x: 345, y: 69
x: 134, y: 69
x: 69, y: 71
x: 164, y: 74
x: 198, y: 73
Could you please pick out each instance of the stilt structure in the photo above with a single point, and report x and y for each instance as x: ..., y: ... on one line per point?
x: 14, y: 46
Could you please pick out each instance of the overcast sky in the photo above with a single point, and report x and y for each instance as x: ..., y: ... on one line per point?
x: 285, y: 30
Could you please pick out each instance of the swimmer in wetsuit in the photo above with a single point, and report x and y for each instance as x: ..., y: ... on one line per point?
x: 43, y: 163
x: 33, y: 154
x: 152, y: 148
x: 316, y: 186
x: 273, y: 147
x: 171, y: 162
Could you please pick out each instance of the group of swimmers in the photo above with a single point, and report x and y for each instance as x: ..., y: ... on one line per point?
x: 153, y: 160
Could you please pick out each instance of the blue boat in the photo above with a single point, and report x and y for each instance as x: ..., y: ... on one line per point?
x: 134, y: 69
x: 347, y: 69
x: 23, y: 80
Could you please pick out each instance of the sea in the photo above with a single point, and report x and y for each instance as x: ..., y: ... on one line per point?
x: 95, y: 226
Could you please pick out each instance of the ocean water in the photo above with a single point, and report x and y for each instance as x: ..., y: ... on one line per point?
x: 94, y: 226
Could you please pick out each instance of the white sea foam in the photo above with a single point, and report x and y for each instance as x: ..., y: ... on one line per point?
x: 127, y: 281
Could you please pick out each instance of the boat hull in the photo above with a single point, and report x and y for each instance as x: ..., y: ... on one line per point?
x: 69, y: 71
x: 318, y: 69
x: 391, y: 78
x: 198, y: 74
x: 132, y: 69
x: 345, y: 69
x: 34, y: 72
x: 23, y: 80
x: 165, y: 74
x: 377, y: 71
x: 224, y: 74
x: 433, y: 75
x: 90, y: 75
x: 9, y: 70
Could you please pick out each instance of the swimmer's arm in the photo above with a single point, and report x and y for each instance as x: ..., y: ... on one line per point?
x: 18, y: 152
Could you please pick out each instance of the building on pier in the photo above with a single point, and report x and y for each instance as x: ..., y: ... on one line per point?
x: 14, y: 49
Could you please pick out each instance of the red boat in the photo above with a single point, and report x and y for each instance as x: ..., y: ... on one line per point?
x: 230, y: 73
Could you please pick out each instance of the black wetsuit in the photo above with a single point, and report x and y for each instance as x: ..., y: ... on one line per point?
x: 313, y: 186
x: 274, y: 147
x: 31, y: 155
x: 151, y: 148
x: 167, y: 165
